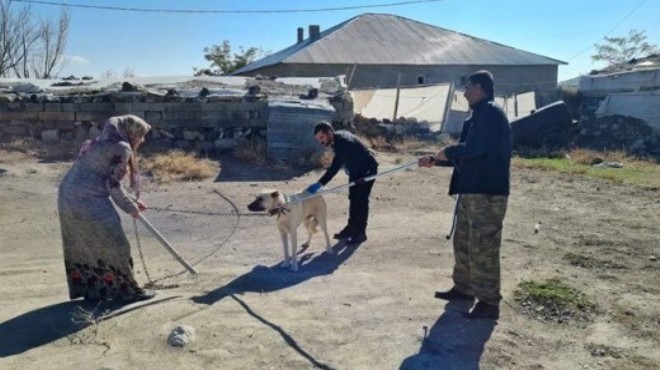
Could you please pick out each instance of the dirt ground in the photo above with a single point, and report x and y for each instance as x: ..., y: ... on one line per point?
x: 370, y: 307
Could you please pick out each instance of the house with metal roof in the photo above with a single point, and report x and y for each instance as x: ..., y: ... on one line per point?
x: 384, y: 50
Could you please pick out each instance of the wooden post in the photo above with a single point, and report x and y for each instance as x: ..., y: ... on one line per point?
x: 448, y: 104
x: 350, y: 77
x: 396, y: 100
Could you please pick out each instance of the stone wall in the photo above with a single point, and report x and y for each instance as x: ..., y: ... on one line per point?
x: 186, y: 123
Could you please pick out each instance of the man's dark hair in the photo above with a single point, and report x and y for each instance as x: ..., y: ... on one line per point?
x: 485, y: 80
x: 323, y: 126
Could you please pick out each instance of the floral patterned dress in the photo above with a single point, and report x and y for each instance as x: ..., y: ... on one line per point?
x: 97, y: 254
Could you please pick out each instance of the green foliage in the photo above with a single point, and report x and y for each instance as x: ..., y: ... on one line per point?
x: 639, y: 173
x: 555, y: 292
x: 618, y: 50
x: 224, y: 61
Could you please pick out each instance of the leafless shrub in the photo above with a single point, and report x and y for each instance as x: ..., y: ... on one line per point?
x: 105, y: 75
x: 252, y: 150
x: 128, y: 72
x: 90, y: 320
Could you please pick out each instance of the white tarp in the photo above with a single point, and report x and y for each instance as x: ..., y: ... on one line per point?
x: 514, y: 106
x: 425, y: 104
x: 620, y: 82
x: 642, y: 105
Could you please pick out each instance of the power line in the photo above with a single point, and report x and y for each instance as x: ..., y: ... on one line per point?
x: 610, y: 31
x: 194, y: 11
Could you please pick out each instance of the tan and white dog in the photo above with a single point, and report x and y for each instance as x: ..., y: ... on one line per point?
x: 311, y: 212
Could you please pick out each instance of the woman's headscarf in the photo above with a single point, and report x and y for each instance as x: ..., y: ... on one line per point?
x: 128, y: 129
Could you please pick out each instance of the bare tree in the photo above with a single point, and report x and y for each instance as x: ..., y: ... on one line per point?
x: 108, y: 74
x: 26, y: 39
x: 51, y: 45
x: 29, y: 48
x: 9, y: 32
x: 128, y: 72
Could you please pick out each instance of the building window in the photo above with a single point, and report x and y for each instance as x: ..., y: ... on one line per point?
x: 421, y: 80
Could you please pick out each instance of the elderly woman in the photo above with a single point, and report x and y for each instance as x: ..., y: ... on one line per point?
x: 97, y: 254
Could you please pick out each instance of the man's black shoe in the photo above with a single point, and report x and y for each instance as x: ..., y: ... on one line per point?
x: 453, y: 294
x: 483, y: 310
x: 357, y: 239
x: 346, y: 233
x: 141, y: 296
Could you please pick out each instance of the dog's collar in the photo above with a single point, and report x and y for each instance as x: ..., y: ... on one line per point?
x: 278, y: 211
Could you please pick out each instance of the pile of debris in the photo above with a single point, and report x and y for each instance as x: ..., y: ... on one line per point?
x: 617, y: 132
x: 399, y: 129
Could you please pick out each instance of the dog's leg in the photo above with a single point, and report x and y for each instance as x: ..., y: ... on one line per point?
x: 310, y: 226
x: 294, y: 249
x: 322, y: 222
x: 285, y: 245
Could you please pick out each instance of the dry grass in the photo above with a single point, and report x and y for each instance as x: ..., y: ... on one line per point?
x: 398, y: 145
x: 313, y: 159
x: 177, y: 165
x: 18, y: 149
x: 591, y: 157
x: 406, y: 145
x: 325, y: 159
x: 252, y: 150
x: 255, y: 150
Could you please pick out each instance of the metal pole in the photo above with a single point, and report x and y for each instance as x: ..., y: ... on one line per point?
x: 166, y: 244
x: 454, y: 218
x: 341, y: 187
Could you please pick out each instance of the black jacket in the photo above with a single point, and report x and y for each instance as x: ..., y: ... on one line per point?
x: 482, y: 157
x: 353, y: 154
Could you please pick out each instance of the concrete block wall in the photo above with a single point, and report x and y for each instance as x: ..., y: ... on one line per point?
x: 183, y: 124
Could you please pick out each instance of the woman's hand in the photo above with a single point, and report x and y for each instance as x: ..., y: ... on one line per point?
x: 141, y: 205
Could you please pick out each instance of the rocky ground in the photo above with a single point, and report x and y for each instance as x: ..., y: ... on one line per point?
x: 370, y: 307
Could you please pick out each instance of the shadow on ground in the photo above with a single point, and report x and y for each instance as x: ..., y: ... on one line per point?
x: 50, y: 323
x: 453, y: 342
x: 264, y: 279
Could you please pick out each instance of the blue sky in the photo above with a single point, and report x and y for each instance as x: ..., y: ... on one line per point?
x: 154, y: 44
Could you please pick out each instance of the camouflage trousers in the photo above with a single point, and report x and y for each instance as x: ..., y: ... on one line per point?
x: 477, y: 240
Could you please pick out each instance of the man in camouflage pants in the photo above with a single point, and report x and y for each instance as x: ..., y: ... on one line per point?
x: 481, y: 163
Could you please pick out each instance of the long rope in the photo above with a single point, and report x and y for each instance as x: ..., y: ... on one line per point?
x: 152, y: 284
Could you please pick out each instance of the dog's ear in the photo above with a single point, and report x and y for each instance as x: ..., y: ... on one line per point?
x: 275, y: 194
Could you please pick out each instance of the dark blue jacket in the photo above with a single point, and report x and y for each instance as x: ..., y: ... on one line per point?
x: 482, y: 157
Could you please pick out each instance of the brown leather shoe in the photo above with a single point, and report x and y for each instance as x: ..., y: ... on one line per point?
x: 453, y: 294
x: 483, y: 310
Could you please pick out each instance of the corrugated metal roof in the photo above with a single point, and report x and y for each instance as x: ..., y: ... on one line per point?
x: 390, y: 39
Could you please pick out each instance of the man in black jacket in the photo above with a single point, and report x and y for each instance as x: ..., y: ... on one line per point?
x: 359, y: 162
x: 480, y: 180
